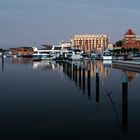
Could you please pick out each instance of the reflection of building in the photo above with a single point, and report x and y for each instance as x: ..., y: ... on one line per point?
x: 131, y: 75
x: 131, y: 40
x: 91, y: 43
x: 20, y: 60
x: 97, y: 66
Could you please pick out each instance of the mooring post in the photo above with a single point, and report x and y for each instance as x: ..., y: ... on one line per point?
x: 73, y: 72
x: 83, y: 69
x: 97, y: 86
x: 70, y: 70
x: 124, y: 103
x: 2, y: 57
x: 88, y: 80
x: 76, y: 74
x: 80, y: 75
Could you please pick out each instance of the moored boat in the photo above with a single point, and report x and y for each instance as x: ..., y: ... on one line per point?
x: 107, y: 55
x: 76, y: 55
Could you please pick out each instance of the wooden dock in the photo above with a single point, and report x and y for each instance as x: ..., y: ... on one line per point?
x: 127, y: 65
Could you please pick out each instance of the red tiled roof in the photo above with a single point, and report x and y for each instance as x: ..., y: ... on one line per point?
x: 129, y: 32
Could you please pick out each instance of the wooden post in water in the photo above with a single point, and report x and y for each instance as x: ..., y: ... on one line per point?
x: 80, y: 75
x: 88, y: 80
x: 76, y: 74
x: 97, y: 86
x: 70, y: 66
x: 63, y: 66
x: 2, y: 61
x: 124, y: 103
x: 67, y: 66
x: 73, y: 72
x: 83, y: 69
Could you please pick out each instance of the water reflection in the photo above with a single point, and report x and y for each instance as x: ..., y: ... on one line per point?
x: 47, y: 65
x: 84, y: 69
x: 81, y: 72
x: 86, y: 77
x: 2, y: 63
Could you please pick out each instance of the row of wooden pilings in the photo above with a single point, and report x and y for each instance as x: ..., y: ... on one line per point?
x: 76, y: 72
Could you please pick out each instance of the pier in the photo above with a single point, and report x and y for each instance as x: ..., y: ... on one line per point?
x: 129, y: 65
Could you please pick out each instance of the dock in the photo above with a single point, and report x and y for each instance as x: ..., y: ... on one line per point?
x: 127, y: 65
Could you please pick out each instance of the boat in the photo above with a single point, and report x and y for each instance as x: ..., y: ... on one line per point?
x: 107, y: 55
x: 44, y: 54
x: 76, y: 55
x: 38, y: 56
x: 94, y: 56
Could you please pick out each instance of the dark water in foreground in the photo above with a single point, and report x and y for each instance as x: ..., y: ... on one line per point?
x: 54, y: 100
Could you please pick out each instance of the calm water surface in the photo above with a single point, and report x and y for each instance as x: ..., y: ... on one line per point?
x: 54, y: 100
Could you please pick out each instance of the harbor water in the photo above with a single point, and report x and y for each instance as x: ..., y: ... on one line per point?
x: 86, y: 100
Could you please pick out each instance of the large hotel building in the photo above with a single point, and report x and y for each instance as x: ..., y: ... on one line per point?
x: 90, y: 42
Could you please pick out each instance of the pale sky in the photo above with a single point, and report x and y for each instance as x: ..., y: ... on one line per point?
x: 23, y: 22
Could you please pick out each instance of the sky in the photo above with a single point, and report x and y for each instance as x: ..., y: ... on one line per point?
x: 36, y: 22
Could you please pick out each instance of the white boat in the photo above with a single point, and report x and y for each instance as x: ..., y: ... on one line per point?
x: 107, y: 55
x: 94, y: 56
x: 38, y: 56
x: 44, y: 54
x: 76, y: 55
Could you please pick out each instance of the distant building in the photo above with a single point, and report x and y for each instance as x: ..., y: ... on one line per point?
x: 66, y: 44
x: 131, y: 40
x: 21, y: 50
x: 90, y: 42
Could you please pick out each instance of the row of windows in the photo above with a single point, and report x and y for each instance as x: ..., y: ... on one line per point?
x: 91, y: 39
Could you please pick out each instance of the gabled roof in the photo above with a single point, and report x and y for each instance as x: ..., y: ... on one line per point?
x: 129, y: 32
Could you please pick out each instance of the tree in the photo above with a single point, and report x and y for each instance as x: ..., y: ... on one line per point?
x: 123, y: 50
x: 119, y: 43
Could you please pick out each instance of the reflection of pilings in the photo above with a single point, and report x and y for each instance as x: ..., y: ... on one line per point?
x: 83, y: 69
x: 73, y: 72
x: 67, y: 68
x: 79, y: 76
x: 97, y: 87
x: 2, y: 62
x: 124, y: 104
x: 76, y: 74
x: 64, y: 69
x: 88, y: 81
x: 70, y: 69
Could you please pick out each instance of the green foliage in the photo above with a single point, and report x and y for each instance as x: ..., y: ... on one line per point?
x: 119, y: 43
x: 1, y: 50
x: 125, y: 51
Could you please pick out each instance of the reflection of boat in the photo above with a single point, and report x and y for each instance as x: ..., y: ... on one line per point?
x: 44, y: 64
x: 107, y: 63
x: 76, y: 55
x: 107, y: 55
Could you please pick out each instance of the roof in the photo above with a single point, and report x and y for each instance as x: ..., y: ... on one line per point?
x: 129, y: 32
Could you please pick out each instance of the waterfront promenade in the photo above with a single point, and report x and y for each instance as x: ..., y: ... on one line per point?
x: 129, y: 65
